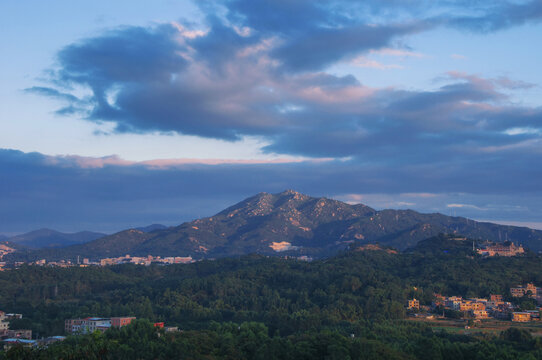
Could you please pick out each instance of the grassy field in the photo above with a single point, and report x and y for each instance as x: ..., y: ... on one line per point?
x: 488, y: 326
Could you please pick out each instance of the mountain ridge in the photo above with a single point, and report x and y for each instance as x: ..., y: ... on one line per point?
x: 48, y: 238
x: 292, y: 224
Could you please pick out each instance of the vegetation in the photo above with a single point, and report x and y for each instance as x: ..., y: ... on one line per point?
x: 254, y: 306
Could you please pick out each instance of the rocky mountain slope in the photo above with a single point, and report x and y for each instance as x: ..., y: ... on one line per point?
x: 291, y: 224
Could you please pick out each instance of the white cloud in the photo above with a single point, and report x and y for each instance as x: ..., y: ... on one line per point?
x: 362, y: 61
x: 458, y: 57
x: 468, y: 206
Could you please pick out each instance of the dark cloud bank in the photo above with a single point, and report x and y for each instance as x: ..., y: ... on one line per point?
x: 259, y: 68
x: 38, y: 190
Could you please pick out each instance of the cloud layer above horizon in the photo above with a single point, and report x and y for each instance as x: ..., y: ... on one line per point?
x: 108, y: 194
x: 279, y: 71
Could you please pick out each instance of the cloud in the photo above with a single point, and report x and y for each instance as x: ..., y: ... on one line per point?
x: 258, y: 68
x: 362, y: 61
x: 498, y: 15
x: 397, y: 53
x: 71, y: 195
x: 470, y: 206
x: 458, y: 57
x: 86, y: 162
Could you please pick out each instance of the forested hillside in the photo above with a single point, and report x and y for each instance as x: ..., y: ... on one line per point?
x: 360, y: 291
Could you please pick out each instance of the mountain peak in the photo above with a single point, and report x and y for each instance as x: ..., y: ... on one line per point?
x: 289, y: 192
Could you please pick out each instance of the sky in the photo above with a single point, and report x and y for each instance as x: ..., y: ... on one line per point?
x: 116, y: 114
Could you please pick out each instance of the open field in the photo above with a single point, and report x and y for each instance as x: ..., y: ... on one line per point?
x: 487, y: 326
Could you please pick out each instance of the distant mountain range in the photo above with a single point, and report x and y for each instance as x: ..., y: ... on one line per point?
x: 289, y: 223
x: 47, y: 238
x: 152, y: 227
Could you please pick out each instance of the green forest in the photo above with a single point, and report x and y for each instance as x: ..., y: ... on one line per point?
x: 351, y: 306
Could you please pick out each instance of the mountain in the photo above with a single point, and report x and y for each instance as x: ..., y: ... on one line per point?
x: 291, y: 224
x: 151, y: 228
x: 47, y: 238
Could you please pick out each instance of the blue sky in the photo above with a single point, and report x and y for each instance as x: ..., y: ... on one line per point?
x: 120, y: 114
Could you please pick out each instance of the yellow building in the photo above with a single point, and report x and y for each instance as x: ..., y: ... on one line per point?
x: 521, y: 317
x: 413, y: 304
x: 520, y: 291
x: 479, y: 314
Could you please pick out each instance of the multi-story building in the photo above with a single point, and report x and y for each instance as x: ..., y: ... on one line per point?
x: 504, y: 249
x: 17, y: 334
x: 121, y: 321
x: 72, y: 326
x: 413, y: 304
x: 468, y: 305
x: 521, y: 316
x: 479, y: 314
x: 453, y: 302
x: 520, y: 291
x: 495, y: 298
x: 91, y: 324
x: 4, y: 325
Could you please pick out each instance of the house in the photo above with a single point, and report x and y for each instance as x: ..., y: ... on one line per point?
x: 521, y: 316
x: 73, y: 326
x: 504, y: 249
x: 91, y: 324
x: 4, y: 325
x: 9, y: 343
x: 14, y: 316
x: 51, y: 340
x: 87, y: 325
x: 520, y: 291
x: 413, y: 304
x: 16, y: 334
x: 453, y: 302
x: 479, y: 314
x: 495, y: 298
x: 535, y: 314
x: 95, y: 323
x: 121, y: 321
x: 468, y: 305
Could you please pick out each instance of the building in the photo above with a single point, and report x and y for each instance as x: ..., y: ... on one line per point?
x: 453, y: 302
x: 521, y: 316
x: 413, y: 304
x: 73, y: 326
x: 51, y: 340
x: 95, y: 323
x: 92, y: 324
x: 9, y: 343
x: 118, y: 322
x: 520, y: 291
x: 16, y: 334
x: 14, y: 316
x: 479, y: 314
x: 495, y: 298
x: 507, y: 248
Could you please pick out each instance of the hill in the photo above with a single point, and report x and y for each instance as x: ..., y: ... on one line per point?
x: 151, y: 228
x: 47, y: 238
x: 292, y: 224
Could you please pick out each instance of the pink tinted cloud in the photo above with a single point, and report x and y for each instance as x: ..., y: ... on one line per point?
x: 85, y: 162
